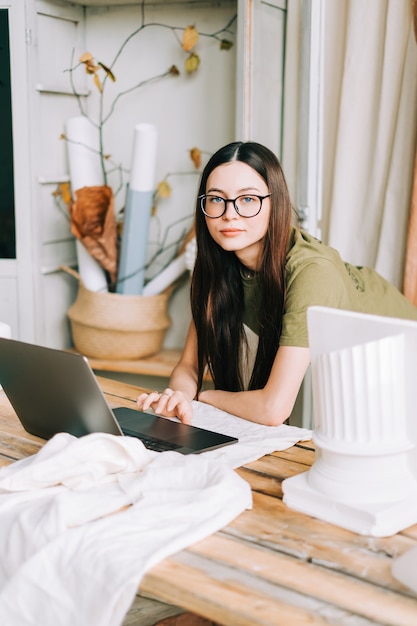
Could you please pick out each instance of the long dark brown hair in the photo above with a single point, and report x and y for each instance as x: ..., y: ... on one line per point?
x: 217, y: 299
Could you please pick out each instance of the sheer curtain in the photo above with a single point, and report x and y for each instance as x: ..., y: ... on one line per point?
x: 369, y: 87
x: 410, y: 271
x: 370, y: 99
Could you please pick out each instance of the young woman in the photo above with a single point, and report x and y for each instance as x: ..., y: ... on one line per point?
x: 255, y: 275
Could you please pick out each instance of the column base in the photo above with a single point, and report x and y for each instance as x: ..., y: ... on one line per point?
x: 376, y: 519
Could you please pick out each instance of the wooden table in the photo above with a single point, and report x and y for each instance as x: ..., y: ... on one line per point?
x: 271, y: 565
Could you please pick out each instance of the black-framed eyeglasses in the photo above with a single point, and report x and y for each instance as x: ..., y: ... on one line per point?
x: 246, y: 205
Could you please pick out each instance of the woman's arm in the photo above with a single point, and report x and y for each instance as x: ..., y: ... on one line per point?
x: 175, y: 400
x: 273, y: 404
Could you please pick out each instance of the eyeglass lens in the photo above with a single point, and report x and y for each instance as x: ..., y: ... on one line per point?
x: 246, y: 206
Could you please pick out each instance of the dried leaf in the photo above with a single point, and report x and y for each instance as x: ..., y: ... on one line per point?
x: 225, y: 44
x: 65, y: 192
x: 62, y: 136
x: 189, y: 38
x: 90, y: 68
x: 86, y: 57
x: 174, y: 70
x: 195, y: 155
x: 97, y: 82
x: 108, y: 71
x: 164, y: 189
x: 192, y: 63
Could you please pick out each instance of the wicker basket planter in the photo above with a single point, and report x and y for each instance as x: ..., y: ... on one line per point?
x: 117, y: 327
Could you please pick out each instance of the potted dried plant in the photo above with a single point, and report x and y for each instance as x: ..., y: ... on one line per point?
x: 99, y: 316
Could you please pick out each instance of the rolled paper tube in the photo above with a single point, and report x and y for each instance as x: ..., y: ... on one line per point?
x: 5, y: 330
x: 90, y: 270
x: 85, y: 171
x: 83, y: 147
x: 143, y: 163
x: 132, y: 260
x: 165, y: 278
x: 190, y: 254
x: 134, y: 245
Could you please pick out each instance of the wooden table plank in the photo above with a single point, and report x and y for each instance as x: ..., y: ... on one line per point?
x: 16, y: 447
x: 302, y: 452
x: 215, y: 593
x: 266, y: 475
x: 356, y: 596
x: 271, y: 524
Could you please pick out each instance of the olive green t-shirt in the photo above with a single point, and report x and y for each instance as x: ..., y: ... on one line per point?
x: 316, y: 275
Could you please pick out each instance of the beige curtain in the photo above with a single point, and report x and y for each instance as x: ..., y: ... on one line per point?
x: 410, y: 270
x: 370, y: 100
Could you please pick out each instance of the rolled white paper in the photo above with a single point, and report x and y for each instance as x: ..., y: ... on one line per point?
x: 190, y: 254
x: 5, y: 331
x: 83, y: 153
x: 165, y: 278
x: 83, y: 148
x: 90, y: 270
x: 143, y: 164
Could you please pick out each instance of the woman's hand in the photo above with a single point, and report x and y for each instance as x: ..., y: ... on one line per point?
x: 168, y: 403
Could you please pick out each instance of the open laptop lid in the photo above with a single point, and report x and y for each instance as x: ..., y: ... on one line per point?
x: 53, y: 391
x: 56, y: 391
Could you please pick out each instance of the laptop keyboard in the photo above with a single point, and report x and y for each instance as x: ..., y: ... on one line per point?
x: 158, y: 445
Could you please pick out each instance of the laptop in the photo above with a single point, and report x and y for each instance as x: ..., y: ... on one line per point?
x: 56, y: 391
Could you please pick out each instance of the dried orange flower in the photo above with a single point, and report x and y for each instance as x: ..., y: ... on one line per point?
x: 91, y: 68
x: 86, y: 57
x: 97, y: 82
x: 192, y: 63
x: 195, y: 155
x: 88, y: 60
x: 164, y: 189
x: 189, y: 38
x: 63, y: 191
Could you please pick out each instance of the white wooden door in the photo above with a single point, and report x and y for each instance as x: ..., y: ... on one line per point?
x: 14, y: 294
x: 33, y: 295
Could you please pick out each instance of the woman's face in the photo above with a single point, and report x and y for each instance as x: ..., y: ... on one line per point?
x: 241, y: 235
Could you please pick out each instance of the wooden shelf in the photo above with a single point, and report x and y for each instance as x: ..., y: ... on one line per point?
x: 160, y: 364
